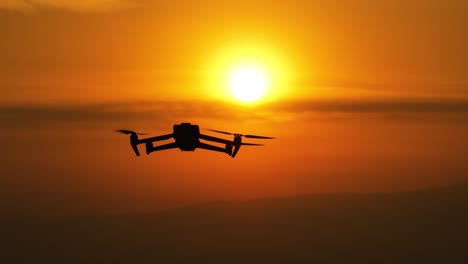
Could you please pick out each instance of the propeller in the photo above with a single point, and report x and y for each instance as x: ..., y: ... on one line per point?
x: 241, y: 135
x: 133, y: 138
x: 128, y: 132
x: 251, y: 144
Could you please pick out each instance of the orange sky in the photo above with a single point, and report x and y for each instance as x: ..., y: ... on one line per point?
x: 364, y: 96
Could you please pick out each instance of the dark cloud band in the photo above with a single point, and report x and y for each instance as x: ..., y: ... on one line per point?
x: 23, y: 116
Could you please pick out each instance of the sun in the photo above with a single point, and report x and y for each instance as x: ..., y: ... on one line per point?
x: 248, y: 83
x: 248, y: 74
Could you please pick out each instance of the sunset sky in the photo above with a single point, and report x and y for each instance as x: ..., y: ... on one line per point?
x: 362, y: 96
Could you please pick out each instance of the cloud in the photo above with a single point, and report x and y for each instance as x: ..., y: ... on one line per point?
x: 376, y: 106
x: 14, y: 117
x: 76, y: 6
x: 161, y: 113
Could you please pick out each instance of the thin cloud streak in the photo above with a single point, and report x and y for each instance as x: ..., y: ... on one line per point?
x: 75, y: 6
x: 376, y: 106
x: 40, y: 116
x: 34, y: 116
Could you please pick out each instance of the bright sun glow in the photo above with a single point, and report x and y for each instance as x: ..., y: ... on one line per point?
x: 248, y: 83
x: 252, y: 73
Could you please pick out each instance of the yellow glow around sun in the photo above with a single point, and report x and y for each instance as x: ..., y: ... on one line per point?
x: 250, y: 73
x: 247, y: 83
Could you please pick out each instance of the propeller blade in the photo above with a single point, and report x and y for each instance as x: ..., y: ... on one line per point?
x: 251, y: 144
x: 128, y: 132
x: 246, y: 136
x: 260, y: 137
x: 219, y: 131
x: 124, y: 131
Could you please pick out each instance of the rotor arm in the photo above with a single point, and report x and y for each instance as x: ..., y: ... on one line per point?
x: 157, y: 138
x: 214, y: 148
x: 215, y: 139
x: 150, y: 148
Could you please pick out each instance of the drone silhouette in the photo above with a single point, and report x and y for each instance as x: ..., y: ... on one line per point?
x: 187, y: 138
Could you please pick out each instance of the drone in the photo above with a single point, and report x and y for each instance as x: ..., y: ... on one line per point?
x: 187, y: 138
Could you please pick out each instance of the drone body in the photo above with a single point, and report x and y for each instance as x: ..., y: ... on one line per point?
x: 187, y: 137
